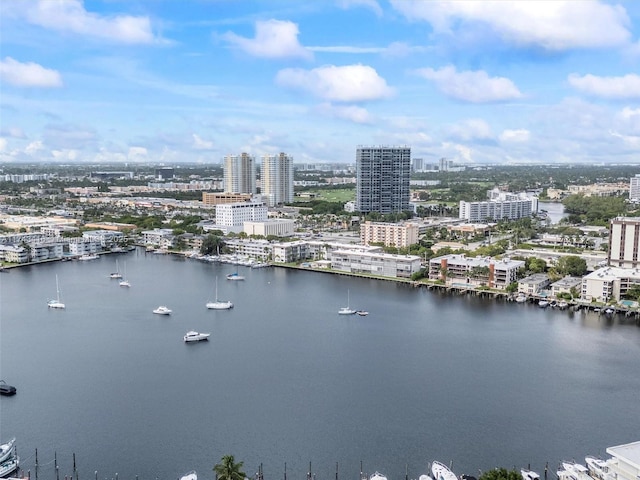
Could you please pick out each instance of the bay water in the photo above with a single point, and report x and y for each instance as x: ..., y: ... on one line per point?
x: 471, y: 382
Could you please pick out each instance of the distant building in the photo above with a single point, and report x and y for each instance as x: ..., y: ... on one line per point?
x: 417, y: 165
x: 240, y: 174
x: 164, y: 173
x: 500, y: 206
x: 624, y: 241
x: 111, y: 175
x: 276, y: 177
x: 382, y: 179
x: 209, y: 198
x: 235, y: 214
x: 459, y: 270
x: 281, y: 227
x: 399, y: 235
x: 634, y: 189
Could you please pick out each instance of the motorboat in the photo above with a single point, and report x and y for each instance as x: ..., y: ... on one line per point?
x: 162, y: 310
x: 87, y: 257
x: 6, y: 450
x: 377, y: 476
x: 192, y: 475
x: 609, y: 311
x: 6, y: 389
x: 562, y: 305
x: 575, y: 471
x: 235, y: 276
x: 9, y: 466
x: 598, y: 468
x: 346, y: 310
x: 56, y: 303
x: 543, y: 303
x: 362, y: 313
x: 192, y: 336
x: 529, y: 474
x: 442, y: 472
x: 521, y: 298
x: 217, y: 304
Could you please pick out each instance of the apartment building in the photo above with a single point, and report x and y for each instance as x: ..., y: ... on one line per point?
x: 399, y: 235
x: 624, y: 239
x: 240, y: 174
x: 459, y: 270
x: 276, y: 176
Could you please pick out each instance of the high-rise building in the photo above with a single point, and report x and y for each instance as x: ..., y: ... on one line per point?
x: 276, y: 177
x: 624, y: 241
x: 634, y: 189
x: 240, y: 174
x: 382, y: 179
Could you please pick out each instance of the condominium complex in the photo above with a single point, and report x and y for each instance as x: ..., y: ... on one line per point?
x: 460, y: 270
x: 213, y: 198
x: 277, y: 179
x: 382, y: 179
x: 389, y: 234
x: 634, y: 189
x: 500, y: 206
x: 235, y: 214
x: 624, y: 240
x: 240, y: 174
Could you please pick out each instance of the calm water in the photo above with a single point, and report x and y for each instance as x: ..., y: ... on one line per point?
x: 283, y: 378
x: 555, y: 210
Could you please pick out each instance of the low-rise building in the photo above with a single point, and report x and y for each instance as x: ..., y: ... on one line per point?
x: 459, y: 270
x: 375, y: 263
x: 609, y: 283
x: 400, y: 235
x: 565, y: 285
x: 14, y: 254
x: 625, y: 461
x: 160, y: 237
x: 276, y: 227
x: 534, y: 284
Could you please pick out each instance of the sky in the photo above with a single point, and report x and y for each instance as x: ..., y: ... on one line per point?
x: 169, y: 81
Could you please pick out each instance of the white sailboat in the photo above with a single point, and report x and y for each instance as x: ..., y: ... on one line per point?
x: 117, y: 273
x: 56, y: 303
x: 124, y: 282
x: 217, y: 304
x: 346, y: 310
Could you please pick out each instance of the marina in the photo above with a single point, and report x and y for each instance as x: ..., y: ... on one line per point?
x: 427, y: 374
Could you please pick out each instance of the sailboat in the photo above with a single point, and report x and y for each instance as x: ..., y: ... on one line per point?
x: 217, y: 304
x: 235, y: 275
x: 56, y: 303
x: 124, y: 282
x: 117, y: 273
x: 346, y: 310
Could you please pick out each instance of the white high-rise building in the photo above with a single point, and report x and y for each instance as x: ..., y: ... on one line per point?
x: 634, y: 189
x: 276, y: 177
x: 240, y: 174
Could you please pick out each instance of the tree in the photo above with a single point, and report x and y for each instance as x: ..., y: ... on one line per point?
x: 227, y: 469
x: 572, y: 265
x: 501, y: 474
x: 212, y: 244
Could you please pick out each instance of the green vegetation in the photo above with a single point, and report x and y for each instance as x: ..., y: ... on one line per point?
x: 228, y: 469
x: 593, y: 210
x: 501, y: 474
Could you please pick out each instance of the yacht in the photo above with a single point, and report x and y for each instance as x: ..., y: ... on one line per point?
x: 192, y: 475
x: 521, y: 298
x: 9, y: 466
x: 346, y: 310
x: 442, y: 472
x: 378, y: 476
x: 192, y: 336
x: 88, y: 256
x: 6, y: 449
x: 7, y: 390
x: 162, y: 310
x: 362, y: 313
x: 562, y: 304
x: 217, y: 304
x: 543, y: 303
x: 598, y: 468
x: 575, y: 471
x: 56, y: 303
x: 529, y: 474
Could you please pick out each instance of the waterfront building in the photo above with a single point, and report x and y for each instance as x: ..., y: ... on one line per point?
x: 399, y: 235
x: 624, y: 463
x: 46, y: 250
x: 500, y: 206
x: 235, y: 214
x: 14, y: 254
x: 458, y: 270
x: 565, y: 285
x: 106, y: 238
x: 375, y: 263
x: 213, y: 198
x: 273, y: 227
x: 257, y: 249
x: 288, y: 252
x: 609, y: 283
x: 382, y: 179
x: 240, y: 174
x: 534, y: 284
x: 159, y: 237
x: 276, y: 177
x: 634, y: 189
x: 80, y: 246
x: 624, y: 240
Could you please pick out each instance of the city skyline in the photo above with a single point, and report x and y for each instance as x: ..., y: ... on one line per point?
x: 474, y: 82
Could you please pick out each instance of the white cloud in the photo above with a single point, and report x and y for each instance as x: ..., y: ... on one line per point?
x: 627, y: 86
x: 352, y: 113
x: 137, y: 154
x: 200, y: 144
x: 556, y: 26
x: 629, y: 140
x: 34, y: 147
x: 515, y: 136
x: 28, y: 74
x: 273, y: 39
x: 471, y: 129
x: 3, y: 144
x: 629, y: 113
x: 350, y: 83
x: 370, y: 4
x: 471, y: 86
x: 71, y: 16
x: 66, y: 154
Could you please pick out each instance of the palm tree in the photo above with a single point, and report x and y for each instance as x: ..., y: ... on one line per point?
x: 227, y: 469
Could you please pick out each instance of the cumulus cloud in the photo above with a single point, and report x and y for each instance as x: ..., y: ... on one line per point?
x: 200, y: 144
x: 70, y: 16
x: 629, y: 140
x: 515, y: 136
x: 273, y: 39
x: 34, y: 147
x: 13, y: 132
x: 370, y: 4
x: 3, y: 144
x: 351, y: 113
x: 350, y: 83
x: 471, y: 86
x: 470, y: 130
x: 554, y: 26
x: 627, y: 86
x: 137, y: 154
x: 28, y: 74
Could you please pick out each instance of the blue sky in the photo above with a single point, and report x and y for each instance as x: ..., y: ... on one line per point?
x: 193, y: 80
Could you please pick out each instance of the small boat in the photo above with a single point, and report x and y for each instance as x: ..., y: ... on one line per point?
x: 346, y: 310
x: 362, y: 313
x: 529, y: 474
x: 235, y: 276
x: 609, y: 311
x: 562, y: 305
x: 6, y: 449
x: 56, y: 303
x: 124, y: 282
x: 377, y: 476
x: 192, y: 336
x: 162, y: 310
x: 87, y: 257
x: 217, y: 304
x: 6, y: 389
x: 442, y: 472
x: 521, y: 298
x: 192, y: 475
x: 543, y: 303
x: 598, y: 468
x: 117, y: 273
x: 9, y: 466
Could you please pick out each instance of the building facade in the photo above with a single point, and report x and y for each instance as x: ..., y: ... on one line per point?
x: 375, y: 263
x: 459, y: 270
x: 276, y: 177
x: 240, y: 174
x: 281, y: 227
x: 389, y: 234
x: 500, y: 206
x: 235, y: 214
x: 382, y: 179
x: 213, y: 198
x: 624, y: 239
